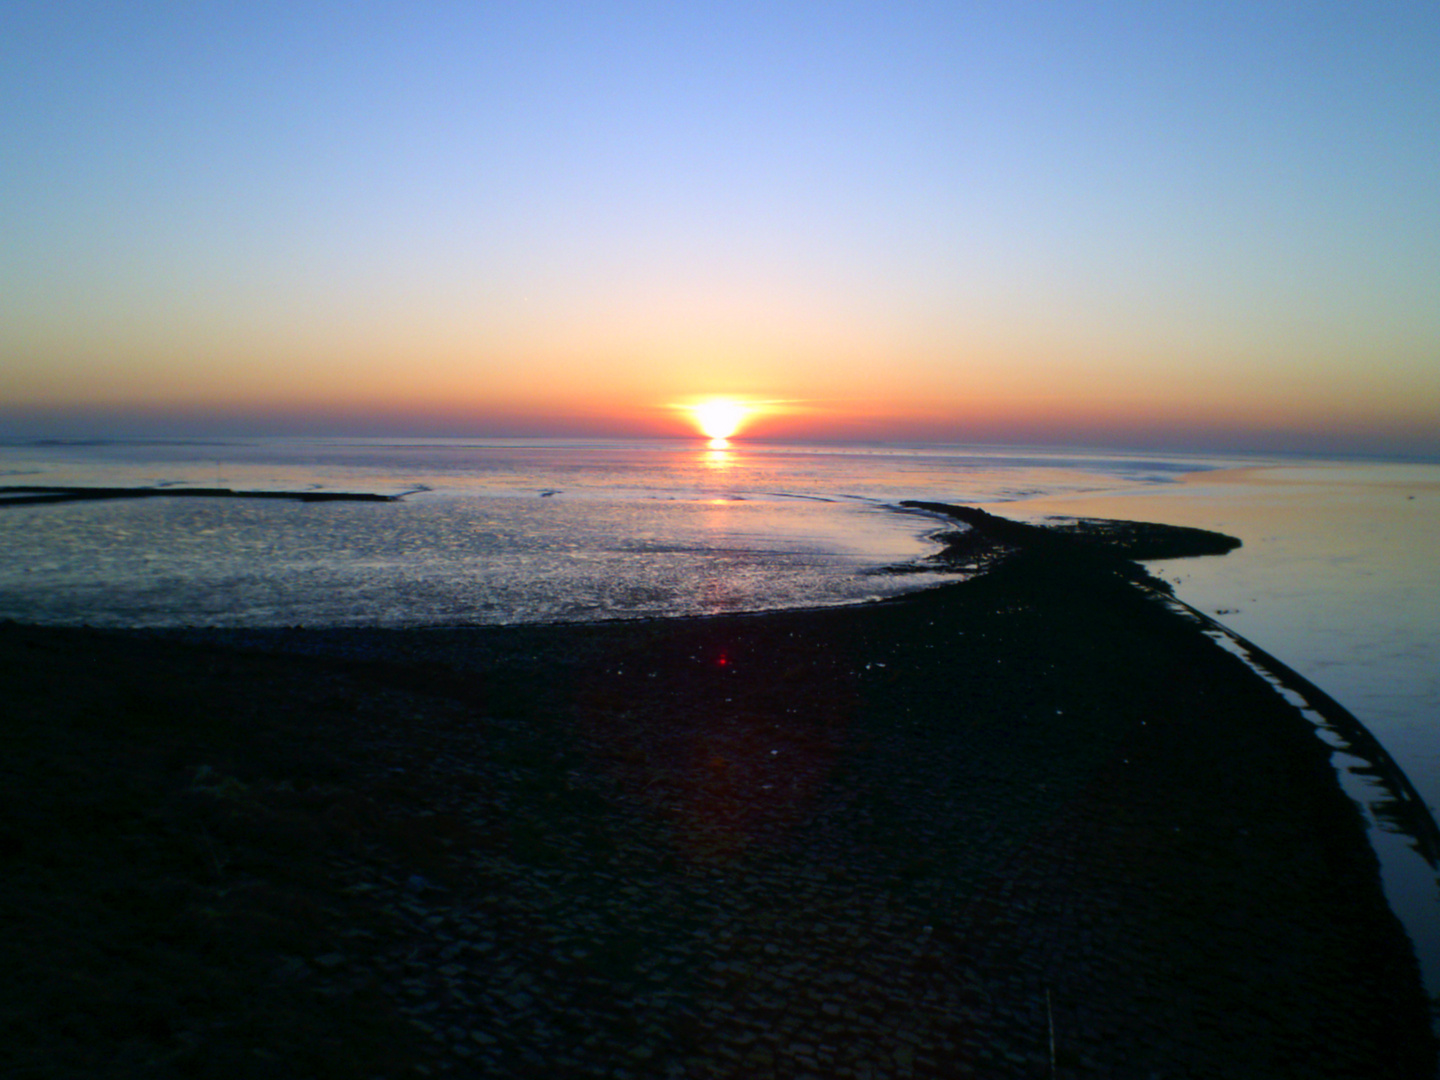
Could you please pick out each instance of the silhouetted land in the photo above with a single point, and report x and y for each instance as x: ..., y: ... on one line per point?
x: 23, y: 495
x: 917, y: 838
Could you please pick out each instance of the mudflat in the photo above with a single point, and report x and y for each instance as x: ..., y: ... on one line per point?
x: 1028, y: 825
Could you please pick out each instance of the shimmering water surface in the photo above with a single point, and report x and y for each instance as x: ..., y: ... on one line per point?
x: 1336, y: 577
x: 490, y: 532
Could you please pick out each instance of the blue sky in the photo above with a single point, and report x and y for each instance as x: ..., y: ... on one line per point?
x: 1110, y: 222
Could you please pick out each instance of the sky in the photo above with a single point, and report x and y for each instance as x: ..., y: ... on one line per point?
x: 1197, y: 225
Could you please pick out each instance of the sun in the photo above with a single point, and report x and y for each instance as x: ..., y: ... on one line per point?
x: 719, y: 418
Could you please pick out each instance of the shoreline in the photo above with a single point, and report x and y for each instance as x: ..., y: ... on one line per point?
x: 911, y: 838
x: 1405, y: 808
x: 37, y: 495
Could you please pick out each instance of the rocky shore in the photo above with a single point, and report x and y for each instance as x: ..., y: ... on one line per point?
x: 1031, y: 825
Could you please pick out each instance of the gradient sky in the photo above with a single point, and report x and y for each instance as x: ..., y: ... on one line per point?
x: 1201, y: 224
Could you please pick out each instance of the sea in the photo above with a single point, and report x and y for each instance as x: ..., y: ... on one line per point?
x: 1336, y: 576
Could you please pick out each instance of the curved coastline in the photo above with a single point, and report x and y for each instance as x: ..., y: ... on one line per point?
x: 1370, y: 776
x: 1123, y: 544
x: 1032, y: 823
x: 1405, y: 809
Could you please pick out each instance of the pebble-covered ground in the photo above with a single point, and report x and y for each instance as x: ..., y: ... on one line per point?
x: 1028, y: 826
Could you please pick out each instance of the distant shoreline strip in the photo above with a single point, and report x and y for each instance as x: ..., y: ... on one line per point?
x: 32, y: 496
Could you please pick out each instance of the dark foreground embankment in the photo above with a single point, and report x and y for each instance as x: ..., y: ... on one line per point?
x: 932, y: 837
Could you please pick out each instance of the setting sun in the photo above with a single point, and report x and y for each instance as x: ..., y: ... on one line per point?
x: 719, y: 418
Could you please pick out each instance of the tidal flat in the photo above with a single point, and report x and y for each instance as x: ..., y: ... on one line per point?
x: 1031, y: 824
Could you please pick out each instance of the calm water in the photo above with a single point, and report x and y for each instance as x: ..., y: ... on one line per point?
x: 1336, y: 576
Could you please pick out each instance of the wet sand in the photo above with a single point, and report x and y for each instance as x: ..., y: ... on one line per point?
x: 1029, y: 825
